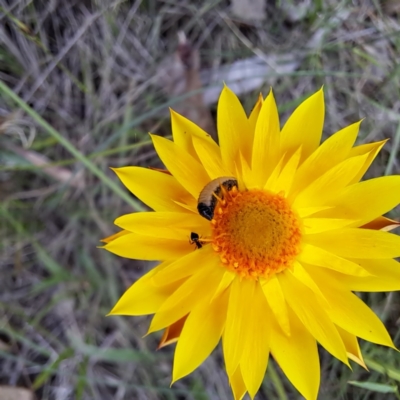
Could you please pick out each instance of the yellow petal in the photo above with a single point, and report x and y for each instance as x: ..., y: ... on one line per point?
x: 317, y: 225
x: 304, y: 126
x: 137, y: 179
x: 192, y: 207
x: 226, y: 280
x: 274, y: 176
x: 382, y: 195
x: 304, y: 277
x: 350, y: 313
x: 181, y: 165
x: 172, y: 225
x: 276, y: 300
x: 385, y: 276
x: 237, y: 384
x: 238, y: 172
x: 284, y: 182
x: 142, y: 297
x: 298, y: 358
x: 331, y: 152
x: 316, y: 256
x: 266, y: 151
x: 183, y: 130
x: 189, y: 295
x: 188, y: 265
x: 357, y: 243
x: 200, y: 335
x: 329, y: 185
x: 241, y: 293
x: 210, y: 159
x: 247, y: 174
x: 254, y: 360
x: 142, y: 247
x: 305, y: 304
x: 372, y: 149
x: 352, y: 347
x: 109, y: 239
x: 307, y: 211
x: 255, y: 112
x: 233, y: 129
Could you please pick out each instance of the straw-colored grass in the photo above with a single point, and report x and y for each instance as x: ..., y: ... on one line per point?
x: 78, y: 87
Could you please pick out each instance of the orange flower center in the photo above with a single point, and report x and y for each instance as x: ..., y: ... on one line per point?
x: 255, y: 232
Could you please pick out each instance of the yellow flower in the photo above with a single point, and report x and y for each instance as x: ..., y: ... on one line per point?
x: 262, y: 240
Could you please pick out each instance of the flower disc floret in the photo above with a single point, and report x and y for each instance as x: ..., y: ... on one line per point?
x: 256, y: 233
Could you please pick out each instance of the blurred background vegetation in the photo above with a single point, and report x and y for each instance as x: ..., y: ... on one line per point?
x: 81, y: 84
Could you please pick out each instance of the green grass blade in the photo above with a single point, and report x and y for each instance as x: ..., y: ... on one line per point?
x: 71, y: 148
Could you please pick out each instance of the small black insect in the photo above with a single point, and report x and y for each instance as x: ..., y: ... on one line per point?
x: 195, y: 239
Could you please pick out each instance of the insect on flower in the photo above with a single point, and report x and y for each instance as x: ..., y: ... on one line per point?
x: 195, y: 239
x: 213, y: 191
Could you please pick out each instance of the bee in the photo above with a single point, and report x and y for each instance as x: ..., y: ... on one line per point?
x: 210, y: 194
x: 195, y: 239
